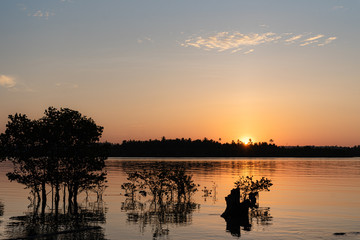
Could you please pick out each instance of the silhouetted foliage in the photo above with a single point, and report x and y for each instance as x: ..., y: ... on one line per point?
x: 250, y: 188
x: 242, y: 205
x: 210, y: 148
x: 160, y: 183
x: 159, y: 196
x: 59, y: 150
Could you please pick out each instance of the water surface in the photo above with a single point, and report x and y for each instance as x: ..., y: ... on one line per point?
x: 310, y: 199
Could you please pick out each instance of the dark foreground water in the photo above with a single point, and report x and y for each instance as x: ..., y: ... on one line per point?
x: 310, y: 199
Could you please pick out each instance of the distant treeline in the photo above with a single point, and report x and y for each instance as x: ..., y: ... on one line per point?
x: 210, y: 148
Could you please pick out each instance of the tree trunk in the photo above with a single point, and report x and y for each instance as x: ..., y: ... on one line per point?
x: 233, y: 206
x: 76, y: 188
x: 254, y: 199
x: 64, y: 199
x: 70, y: 198
x: 43, y: 197
x: 38, y: 200
x: 52, y: 197
x: 57, y: 198
x: 236, y: 213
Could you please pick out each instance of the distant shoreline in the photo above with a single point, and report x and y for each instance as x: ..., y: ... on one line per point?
x: 187, y: 148
x: 230, y: 157
x: 134, y: 156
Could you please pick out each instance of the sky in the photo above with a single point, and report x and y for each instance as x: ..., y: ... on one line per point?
x: 285, y: 70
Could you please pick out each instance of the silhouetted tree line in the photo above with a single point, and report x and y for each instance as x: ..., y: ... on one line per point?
x: 210, y: 148
x: 59, y: 151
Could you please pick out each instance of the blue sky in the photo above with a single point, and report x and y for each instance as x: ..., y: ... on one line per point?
x: 286, y: 70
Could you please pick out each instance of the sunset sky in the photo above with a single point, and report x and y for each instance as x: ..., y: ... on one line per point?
x: 284, y: 69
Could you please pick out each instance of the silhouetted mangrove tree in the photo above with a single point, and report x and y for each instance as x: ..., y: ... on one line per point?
x: 242, y: 205
x: 59, y: 151
x: 159, y: 196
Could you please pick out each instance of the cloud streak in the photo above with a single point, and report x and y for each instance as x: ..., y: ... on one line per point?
x: 7, y: 81
x: 327, y: 41
x: 145, y: 39
x: 223, y: 41
x: 311, y: 39
x: 250, y: 51
x: 294, y: 38
x: 245, y: 43
x: 42, y: 14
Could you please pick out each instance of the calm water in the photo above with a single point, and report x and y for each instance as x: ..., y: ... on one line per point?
x: 310, y: 199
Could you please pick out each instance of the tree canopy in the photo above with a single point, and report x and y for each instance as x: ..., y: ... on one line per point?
x: 248, y: 186
x: 60, y: 149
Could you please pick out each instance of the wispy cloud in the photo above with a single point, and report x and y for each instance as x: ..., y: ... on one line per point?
x: 236, y: 50
x: 264, y: 26
x: 245, y: 43
x: 250, y: 51
x: 311, y: 40
x: 223, y: 41
x: 7, y: 81
x: 144, y: 39
x: 13, y: 85
x: 41, y: 14
x: 307, y: 43
x: 294, y: 38
x: 327, y: 41
x: 314, y: 38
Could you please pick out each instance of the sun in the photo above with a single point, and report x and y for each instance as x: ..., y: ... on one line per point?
x: 246, y: 140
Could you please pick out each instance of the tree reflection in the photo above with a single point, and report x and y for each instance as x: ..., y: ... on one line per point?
x: 64, y: 225
x: 1, y: 212
x: 242, y: 206
x: 159, y: 197
x: 261, y: 215
x: 210, y: 193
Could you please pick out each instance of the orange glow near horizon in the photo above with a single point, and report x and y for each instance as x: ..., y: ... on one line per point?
x: 246, y: 140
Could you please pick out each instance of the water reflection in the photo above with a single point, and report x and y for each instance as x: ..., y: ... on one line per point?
x: 158, y: 215
x: 1, y: 209
x: 204, y: 167
x: 159, y: 196
x: 85, y: 224
x: 301, y: 205
x: 210, y: 193
x: 1, y: 213
x: 242, y: 205
x: 245, y: 222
